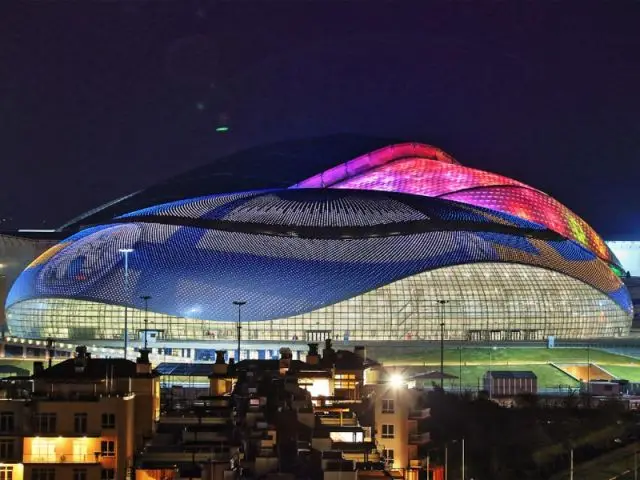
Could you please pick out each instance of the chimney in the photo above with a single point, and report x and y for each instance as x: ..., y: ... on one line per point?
x: 220, y: 367
x: 329, y: 354
x: 312, y: 357
x: 82, y: 357
x: 38, y: 368
x: 360, y: 351
x: 143, y: 365
x: 285, y: 360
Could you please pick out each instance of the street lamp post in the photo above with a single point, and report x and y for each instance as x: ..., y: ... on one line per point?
x: 146, y: 299
x: 239, y: 304
x: 442, y: 303
x: 126, y: 252
x: 490, y: 369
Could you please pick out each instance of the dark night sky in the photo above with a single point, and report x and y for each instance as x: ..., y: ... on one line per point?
x: 98, y: 99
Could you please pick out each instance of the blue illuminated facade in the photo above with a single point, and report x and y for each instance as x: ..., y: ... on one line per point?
x: 351, y: 264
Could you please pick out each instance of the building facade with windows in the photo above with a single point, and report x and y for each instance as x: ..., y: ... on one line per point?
x: 82, y: 419
x: 384, y: 247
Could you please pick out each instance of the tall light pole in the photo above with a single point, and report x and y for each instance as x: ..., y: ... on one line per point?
x: 239, y: 304
x: 146, y: 299
x: 126, y: 252
x: 442, y: 303
x: 490, y: 369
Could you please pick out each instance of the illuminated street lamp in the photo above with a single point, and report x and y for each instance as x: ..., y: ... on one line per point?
x: 396, y: 380
x: 126, y: 252
x: 442, y: 303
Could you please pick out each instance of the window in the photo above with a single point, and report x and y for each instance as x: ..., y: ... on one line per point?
x: 43, y: 474
x: 80, y: 423
x: 6, y: 473
x: 108, y: 448
x: 79, y: 474
x: 43, y: 450
x: 388, y: 431
x: 388, y: 405
x: 7, y: 422
x: 45, y: 423
x: 345, y: 381
x: 388, y: 453
x: 108, y: 474
x: 108, y: 420
x: 6, y: 450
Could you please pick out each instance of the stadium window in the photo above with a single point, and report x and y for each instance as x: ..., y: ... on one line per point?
x: 388, y: 405
x: 388, y: 431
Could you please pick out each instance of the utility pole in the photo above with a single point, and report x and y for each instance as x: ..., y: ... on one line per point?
x: 446, y: 462
x: 571, y: 468
x: 146, y: 299
x: 463, y: 476
x: 428, y: 466
x: 442, y: 303
x: 239, y: 304
x: 126, y: 252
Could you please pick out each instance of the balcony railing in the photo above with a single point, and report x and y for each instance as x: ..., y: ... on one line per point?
x: 88, y: 458
x: 419, y: 438
x: 419, y: 414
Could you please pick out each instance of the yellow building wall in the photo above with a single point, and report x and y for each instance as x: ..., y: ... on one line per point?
x: 402, y: 404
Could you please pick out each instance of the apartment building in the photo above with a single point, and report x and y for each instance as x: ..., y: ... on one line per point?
x: 82, y: 419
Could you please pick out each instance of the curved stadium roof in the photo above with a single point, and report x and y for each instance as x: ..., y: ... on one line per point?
x: 278, y: 245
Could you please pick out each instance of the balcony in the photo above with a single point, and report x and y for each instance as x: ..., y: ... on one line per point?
x: 420, y: 414
x: 419, y: 438
x: 88, y: 458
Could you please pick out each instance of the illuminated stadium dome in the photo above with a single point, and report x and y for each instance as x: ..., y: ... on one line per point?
x: 384, y: 247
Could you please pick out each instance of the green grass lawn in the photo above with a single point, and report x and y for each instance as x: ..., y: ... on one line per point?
x: 24, y: 364
x: 548, y: 376
x: 502, y: 356
x: 624, y: 372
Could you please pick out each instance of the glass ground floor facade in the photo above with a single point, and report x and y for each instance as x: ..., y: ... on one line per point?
x: 476, y: 302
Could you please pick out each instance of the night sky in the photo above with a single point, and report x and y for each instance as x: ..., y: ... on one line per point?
x: 102, y: 98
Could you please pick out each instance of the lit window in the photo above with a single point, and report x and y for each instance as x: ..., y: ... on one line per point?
x: 6, y: 473
x: 388, y: 454
x: 388, y: 431
x: 388, y: 405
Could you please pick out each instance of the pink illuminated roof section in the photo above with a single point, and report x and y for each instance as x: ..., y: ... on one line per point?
x: 539, y: 208
x: 422, y: 176
x: 373, y: 160
x: 425, y: 170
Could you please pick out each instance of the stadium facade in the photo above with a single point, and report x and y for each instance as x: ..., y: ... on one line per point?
x: 384, y: 247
